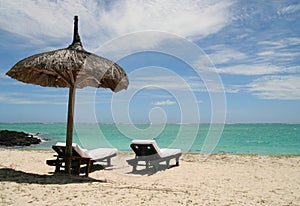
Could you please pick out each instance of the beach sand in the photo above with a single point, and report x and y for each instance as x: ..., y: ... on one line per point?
x: 25, y: 179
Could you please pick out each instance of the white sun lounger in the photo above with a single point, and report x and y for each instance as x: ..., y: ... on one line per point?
x: 149, y: 152
x: 82, y: 156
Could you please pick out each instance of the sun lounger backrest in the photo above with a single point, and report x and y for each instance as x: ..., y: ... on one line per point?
x: 145, y: 147
x: 61, y: 151
x: 60, y: 148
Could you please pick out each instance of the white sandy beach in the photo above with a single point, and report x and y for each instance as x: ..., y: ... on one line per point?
x: 25, y: 179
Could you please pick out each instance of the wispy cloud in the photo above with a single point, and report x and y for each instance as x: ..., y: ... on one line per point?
x: 283, y: 50
x: 248, y: 69
x: 11, y: 99
x: 102, y: 21
x: 285, y: 55
x: 44, y: 96
x: 167, y: 82
x: 267, y: 58
x: 164, y: 103
x: 275, y: 87
x: 211, y: 16
x: 34, y: 96
x: 289, y: 9
x: 282, y: 43
x: 6, y: 80
x: 220, y: 54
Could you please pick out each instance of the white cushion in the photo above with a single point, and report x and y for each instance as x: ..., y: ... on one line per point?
x: 169, y: 152
x: 101, y: 153
x: 94, y: 154
x: 143, y: 141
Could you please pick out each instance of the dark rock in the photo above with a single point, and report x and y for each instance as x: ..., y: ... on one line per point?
x: 13, y: 138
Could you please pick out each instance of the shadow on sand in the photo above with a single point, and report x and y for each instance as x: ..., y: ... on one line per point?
x: 11, y: 175
x: 151, y: 170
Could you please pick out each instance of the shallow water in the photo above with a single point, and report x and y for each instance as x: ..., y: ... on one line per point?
x: 265, y: 139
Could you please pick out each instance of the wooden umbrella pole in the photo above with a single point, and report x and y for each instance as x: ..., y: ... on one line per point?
x: 70, y: 125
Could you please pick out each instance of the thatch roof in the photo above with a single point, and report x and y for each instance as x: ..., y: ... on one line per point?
x: 63, y: 67
x: 70, y: 66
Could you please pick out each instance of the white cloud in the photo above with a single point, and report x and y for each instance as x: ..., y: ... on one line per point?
x: 164, y: 103
x: 35, y: 18
x: 101, y: 21
x: 185, y: 18
x: 168, y: 83
x: 231, y: 61
x: 289, y: 9
x: 6, y: 80
x: 220, y: 54
x: 276, y: 87
x: 245, y: 69
x: 281, y: 43
x: 8, y: 99
x: 280, y: 50
x: 274, y: 54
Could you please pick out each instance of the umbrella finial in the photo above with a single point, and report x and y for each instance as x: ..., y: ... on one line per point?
x: 76, y: 37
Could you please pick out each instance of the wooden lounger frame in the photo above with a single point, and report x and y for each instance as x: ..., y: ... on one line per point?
x: 77, y: 160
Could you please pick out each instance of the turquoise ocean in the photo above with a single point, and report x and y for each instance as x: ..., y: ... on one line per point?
x: 263, y: 139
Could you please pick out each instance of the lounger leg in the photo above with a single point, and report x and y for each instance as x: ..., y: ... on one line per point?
x: 78, y: 166
x: 155, y: 165
x: 87, y: 169
x: 57, y: 165
x: 134, y: 163
x: 177, y: 161
x: 108, y: 162
x: 168, y: 162
x: 57, y: 168
x: 134, y: 166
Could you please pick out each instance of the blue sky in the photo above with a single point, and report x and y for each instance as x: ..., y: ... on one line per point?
x: 187, y: 61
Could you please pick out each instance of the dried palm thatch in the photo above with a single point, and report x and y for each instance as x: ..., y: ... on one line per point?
x: 72, y: 67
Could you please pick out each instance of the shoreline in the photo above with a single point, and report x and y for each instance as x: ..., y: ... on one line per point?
x: 189, y: 153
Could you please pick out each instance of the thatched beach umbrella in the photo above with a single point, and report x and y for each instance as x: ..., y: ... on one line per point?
x: 72, y: 68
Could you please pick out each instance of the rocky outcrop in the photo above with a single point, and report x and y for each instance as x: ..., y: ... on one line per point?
x: 13, y: 138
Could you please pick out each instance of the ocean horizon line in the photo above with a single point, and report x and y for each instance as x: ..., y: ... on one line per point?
x: 139, y: 123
